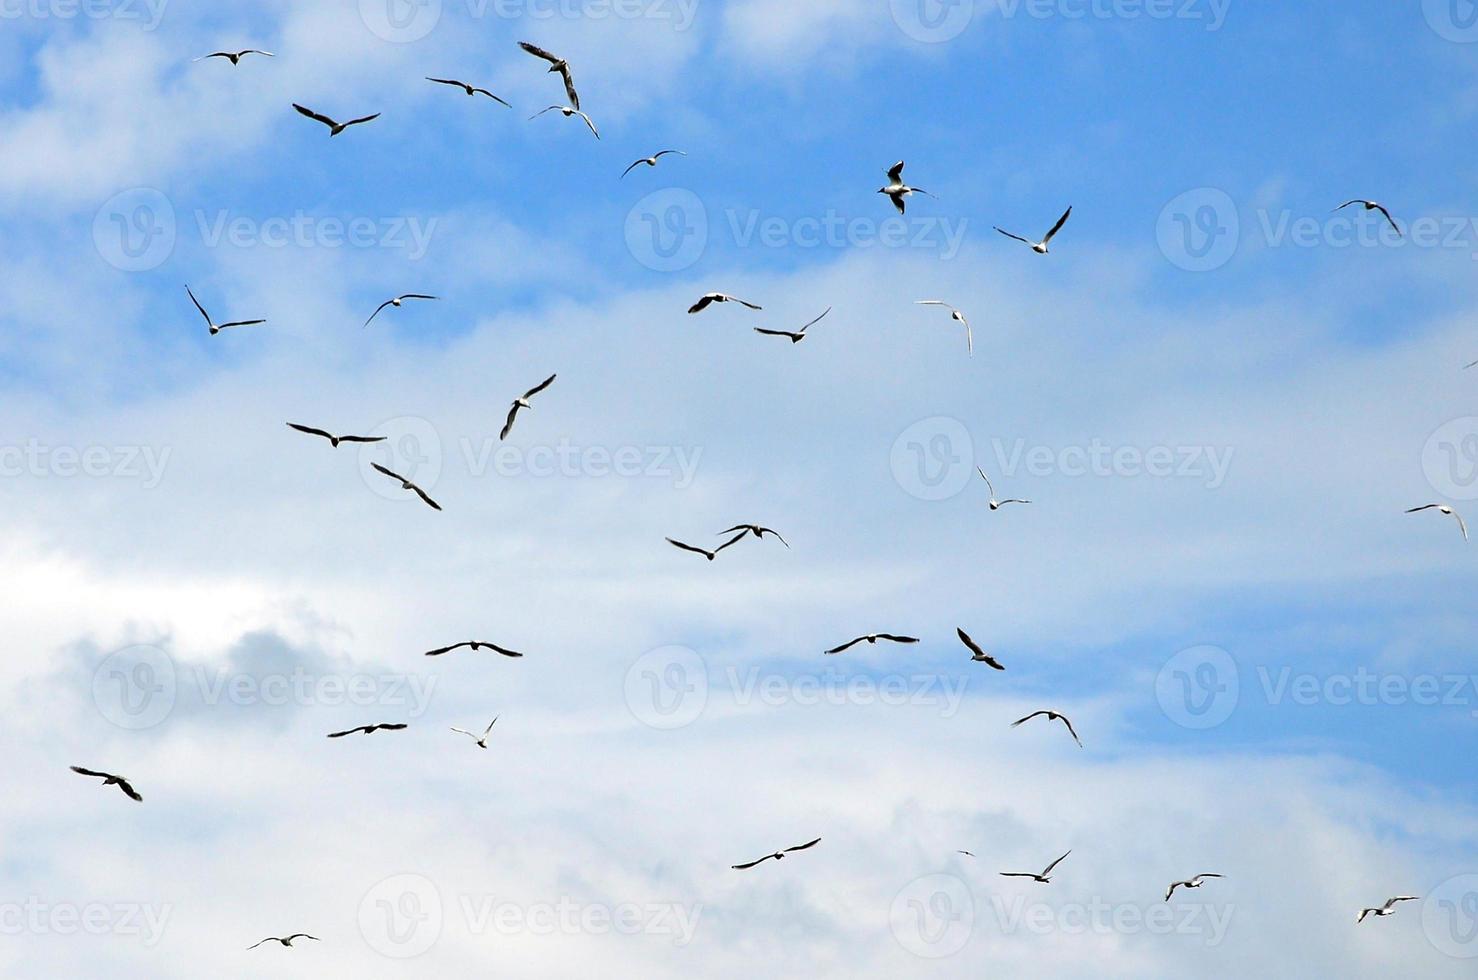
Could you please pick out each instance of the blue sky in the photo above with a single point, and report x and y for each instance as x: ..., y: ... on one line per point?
x: 1219, y: 394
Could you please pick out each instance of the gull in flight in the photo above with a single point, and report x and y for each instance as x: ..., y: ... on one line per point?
x: 709, y: 299
x: 954, y: 314
x: 978, y: 655
x: 470, y: 90
x: 1387, y: 909
x: 871, y: 639
x: 966, y: 853
x: 651, y: 161
x: 1044, y: 878
x: 1444, y: 509
x: 522, y: 401
x: 796, y: 336
x: 1195, y: 882
x: 334, y: 128
x: 474, y: 646
x: 778, y: 855
x: 556, y: 63
x: 710, y: 555
x: 333, y: 439
x: 408, y: 485
x: 215, y: 327
x: 1041, y: 247
x: 757, y: 531
x: 368, y: 730
x: 897, y: 190
x: 1373, y: 206
x: 994, y: 503
x: 1473, y: 365
x: 1051, y: 716
x: 236, y: 56
x: 285, y: 940
x: 482, y: 740
x: 110, y: 780
x: 396, y: 302
x: 569, y: 111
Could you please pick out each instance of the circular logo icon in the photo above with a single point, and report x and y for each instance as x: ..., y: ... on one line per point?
x: 400, y: 21
x: 401, y: 917
x: 135, y: 688
x: 667, y: 688
x: 933, y: 916
x: 933, y: 459
x: 1450, y: 459
x: 933, y: 21
x: 412, y: 450
x: 1450, y: 917
x: 1453, y: 20
x: 1199, y: 231
x: 135, y: 230
x: 1198, y: 688
x: 667, y: 231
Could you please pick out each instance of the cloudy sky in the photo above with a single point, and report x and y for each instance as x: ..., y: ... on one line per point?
x: 1220, y: 395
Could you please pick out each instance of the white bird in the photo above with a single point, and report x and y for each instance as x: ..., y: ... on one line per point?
x: 469, y: 89
x: 216, y: 328
x: 1044, y: 878
x: 955, y: 315
x: 334, y: 127
x: 1041, y: 247
x: 897, y: 190
x: 1195, y: 882
x: 482, y: 740
x: 796, y: 336
x: 1373, y: 206
x: 236, y: 56
x: 556, y: 63
x: 651, y: 161
x: 568, y: 112
x: 285, y: 940
x: 522, y: 401
x: 1387, y: 909
x: 994, y: 503
x: 396, y: 302
x: 1051, y: 716
x: 1443, y: 509
x: 708, y: 299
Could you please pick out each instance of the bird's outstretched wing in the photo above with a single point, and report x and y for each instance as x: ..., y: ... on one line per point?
x: 539, y: 52
x: 633, y: 167
x: 693, y: 548
x: 1054, y: 864
x: 746, y: 867
x: 895, y: 172
x: 1058, y: 227
x: 317, y: 116
x: 505, y: 652
x: 803, y: 847
x: 1017, y: 237
x: 588, y: 121
x: 1022, y: 721
x: 309, y: 430
x: 89, y: 772
x: 129, y: 791
x: 508, y: 425
x: 1382, y: 210
x: 198, y: 306
x: 845, y: 646
x: 361, y: 119
x: 702, y: 304
x: 425, y: 497
x: 1071, y: 731
x: 377, y: 311
x: 444, y: 650
x: 540, y: 386
x: 898, y: 639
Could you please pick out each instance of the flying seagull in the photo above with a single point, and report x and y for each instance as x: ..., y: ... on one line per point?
x: 334, y: 128
x: 757, y: 531
x: 954, y: 314
x: 1051, y: 716
x: 470, y: 90
x: 709, y: 299
x: 110, y: 780
x: 651, y: 161
x: 408, y: 485
x: 1387, y: 909
x: 966, y: 853
x: 897, y: 190
x: 994, y: 503
x: 333, y: 439
x: 1043, y: 878
x: 285, y: 940
x: 978, y: 655
x: 1195, y: 882
x: 1444, y: 509
x: 368, y: 730
x: 1473, y: 365
x: 556, y: 63
x: 795, y: 336
x: 215, y: 327
x: 873, y: 638
x: 482, y: 740
x: 1373, y: 206
x: 569, y: 111
x: 1041, y: 247
x: 396, y: 302
x: 474, y: 646
x: 236, y: 56
x: 710, y: 555
x: 778, y: 855
x: 522, y: 401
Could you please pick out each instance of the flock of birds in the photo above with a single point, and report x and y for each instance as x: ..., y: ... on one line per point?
x: 898, y: 192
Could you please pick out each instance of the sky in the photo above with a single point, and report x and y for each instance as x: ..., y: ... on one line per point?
x: 1220, y: 395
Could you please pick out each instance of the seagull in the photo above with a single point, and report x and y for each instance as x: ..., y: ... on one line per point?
x: 396, y: 302
x: 466, y: 88
x: 556, y: 63
x: 408, y: 485
x: 215, y: 327
x: 1387, y: 909
x: 335, y: 440
x: 1373, y: 206
x: 1444, y: 509
x: 334, y: 128
x: 1473, y: 365
x: 994, y: 503
x: 710, y: 298
x: 1051, y: 716
x: 710, y: 555
x: 285, y: 940
x: 872, y: 638
x: 979, y: 655
x: 236, y: 56
x: 897, y: 190
x: 1195, y: 882
x: 651, y: 161
x: 523, y: 402
x: 966, y: 853
x: 757, y: 531
x: 482, y: 742
x: 368, y: 730
x: 1041, y: 247
x: 954, y: 314
x: 568, y: 112
x: 1043, y: 878
x: 474, y: 646
x: 795, y: 336
x: 778, y: 855
x: 111, y: 780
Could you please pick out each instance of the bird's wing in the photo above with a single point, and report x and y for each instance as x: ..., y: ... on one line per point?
x: 702, y: 304
x: 1348, y: 203
x: 732, y: 541
x: 1071, y: 730
x: 361, y: 119
x: 1017, y: 874
x: 198, y: 306
x: 363, y: 439
x: 765, y: 530
x: 1054, y: 864
x: 320, y: 117
x: 446, y: 81
x: 1401, y: 898
x: 269, y: 939
x: 932, y: 302
x: 632, y: 167
x: 390, y: 473
x: 309, y: 430
x: 349, y: 731
x: 393, y: 728
x: 1057, y: 227
x: 508, y: 425
x: 802, y: 847
x: 425, y: 497
x: 745, y: 302
x: 895, y: 172
x: 736, y: 527
x: 776, y: 333
x: 419, y: 296
x: 746, y: 867
x: 542, y: 111
x: 1017, y: 237
x: 846, y: 646
x: 1022, y: 721
x: 969, y: 335
x: 662, y: 153
x: 264, y: 54
x: 1363, y: 913
x: 491, y: 724
x: 214, y: 54
x: 899, y: 203
x: 483, y: 91
x: 589, y: 122
x: 1171, y: 890
x: 1418, y: 510
x: 814, y: 322
x: 988, y: 485
x: 239, y: 323
x: 89, y: 772
x: 505, y: 652
x: 128, y: 789
x: 303, y: 935
x: 461, y: 731
x: 965, y: 639
x: 539, y: 52
x: 377, y: 311
x: 1392, y: 220
x: 898, y: 639
x: 443, y: 650
x: 540, y: 386
x: 1461, y: 524
x: 687, y: 547
x: 564, y: 73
